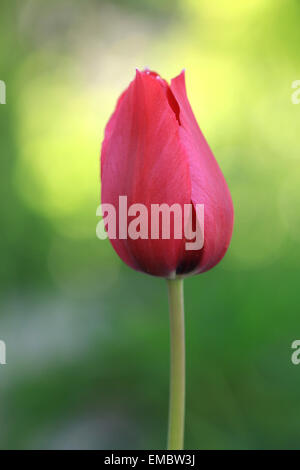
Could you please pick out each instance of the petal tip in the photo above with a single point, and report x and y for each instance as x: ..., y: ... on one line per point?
x: 180, y: 76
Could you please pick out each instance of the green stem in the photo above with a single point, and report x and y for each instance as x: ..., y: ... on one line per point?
x: 177, y: 379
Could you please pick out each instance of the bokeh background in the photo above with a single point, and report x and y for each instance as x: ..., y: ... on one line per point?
x: 87, y: 338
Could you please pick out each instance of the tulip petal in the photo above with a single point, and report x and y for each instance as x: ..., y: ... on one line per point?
x: 208, y: 184
x: 144, y: 159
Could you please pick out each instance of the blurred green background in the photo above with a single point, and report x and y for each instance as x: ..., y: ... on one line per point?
x: 87, y: 338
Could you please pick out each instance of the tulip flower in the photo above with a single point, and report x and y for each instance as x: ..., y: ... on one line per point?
x: 155, y: 154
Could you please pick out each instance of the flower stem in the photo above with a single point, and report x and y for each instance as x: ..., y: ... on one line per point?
x: 177, y: 378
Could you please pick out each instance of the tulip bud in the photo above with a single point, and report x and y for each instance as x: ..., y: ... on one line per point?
x: 155, y: 154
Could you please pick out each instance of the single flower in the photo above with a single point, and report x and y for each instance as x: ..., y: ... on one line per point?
x: 155, y: 153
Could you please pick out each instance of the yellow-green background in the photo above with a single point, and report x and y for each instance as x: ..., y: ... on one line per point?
x: 87, y: 338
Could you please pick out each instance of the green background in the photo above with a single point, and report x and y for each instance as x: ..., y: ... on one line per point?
x: 87, y: 338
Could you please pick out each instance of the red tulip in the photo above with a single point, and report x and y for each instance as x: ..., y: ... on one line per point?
x: 154, y: 152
